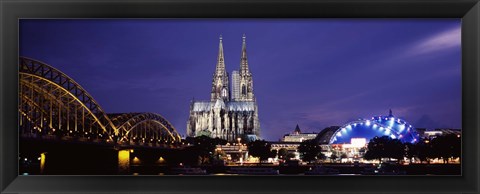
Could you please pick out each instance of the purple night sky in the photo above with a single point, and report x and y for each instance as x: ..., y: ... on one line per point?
x: 314, y: 72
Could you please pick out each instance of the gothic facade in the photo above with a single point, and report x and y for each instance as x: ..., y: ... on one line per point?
x: 232, y: 111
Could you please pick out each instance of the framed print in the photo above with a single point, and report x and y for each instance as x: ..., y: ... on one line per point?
x: 225, y: 97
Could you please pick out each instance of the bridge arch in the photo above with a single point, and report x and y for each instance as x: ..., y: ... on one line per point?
x: 145, y: 128
x: 54, y: 103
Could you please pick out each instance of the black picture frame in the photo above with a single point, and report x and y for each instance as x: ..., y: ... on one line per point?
x: 12, y: 10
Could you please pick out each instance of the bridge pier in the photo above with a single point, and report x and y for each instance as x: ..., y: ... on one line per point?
x: 124, y: 161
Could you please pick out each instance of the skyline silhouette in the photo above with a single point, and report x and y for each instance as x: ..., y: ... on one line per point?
x: 312, y: 72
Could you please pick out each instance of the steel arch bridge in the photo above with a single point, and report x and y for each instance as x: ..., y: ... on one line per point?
x: 144, y: 128
x: 54, y: 106
x: 391, y: 126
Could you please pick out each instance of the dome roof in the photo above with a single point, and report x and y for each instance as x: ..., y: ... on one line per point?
x: 376, y: 126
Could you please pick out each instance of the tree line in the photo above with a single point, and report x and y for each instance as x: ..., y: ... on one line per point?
x: 441, y: 147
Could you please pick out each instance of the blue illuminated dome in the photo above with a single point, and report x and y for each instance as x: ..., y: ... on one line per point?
x: 391, y: 126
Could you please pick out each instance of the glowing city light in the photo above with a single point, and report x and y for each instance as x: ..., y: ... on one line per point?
x: 358, y: 142
x: 377, y: 126
x: 387, y: 132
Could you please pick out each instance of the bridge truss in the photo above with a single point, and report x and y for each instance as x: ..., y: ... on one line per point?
x: 52, y: 105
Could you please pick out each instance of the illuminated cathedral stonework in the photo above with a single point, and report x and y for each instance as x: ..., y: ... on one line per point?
x: 232, y: 111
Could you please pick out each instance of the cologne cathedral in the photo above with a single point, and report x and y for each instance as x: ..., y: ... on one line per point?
x: 232, y: 111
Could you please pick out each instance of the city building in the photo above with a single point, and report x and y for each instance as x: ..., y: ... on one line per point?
x: 298, y: 136
x: 235, y: 85
x: 237, y: 152
x: 232, y: 110
x: 290, y: 147
x: 347, y: 152
x: 430, y: 134
x: 421, y: 131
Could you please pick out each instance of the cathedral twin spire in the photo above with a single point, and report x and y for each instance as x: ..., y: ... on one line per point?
x: 220, y: 68
x: 244, y: 61
x: 220, y: 86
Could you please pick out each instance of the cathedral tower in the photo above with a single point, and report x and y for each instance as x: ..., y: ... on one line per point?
x: 220, y: 89
x: 246, y: 81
